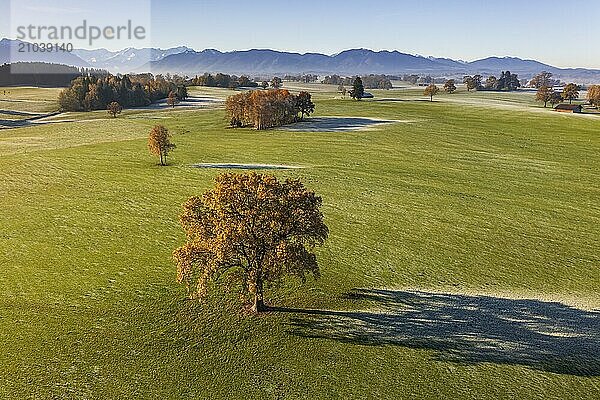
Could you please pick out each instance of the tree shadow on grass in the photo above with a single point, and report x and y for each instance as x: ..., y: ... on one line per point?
x: 547, y: 336
x: 335, y: 124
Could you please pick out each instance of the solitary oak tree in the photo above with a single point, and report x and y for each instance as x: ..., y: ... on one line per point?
x: 276, y: 83
x: 450, y: 86
x: 593, y: 95
x: 544, y: 94
x: 159, y: 143
x: 172, y: 99
x: 431, y: 91
x: 470, y: 82
x: 570, y: 92
x: 543, y: 79
x: 555, y: 98
x: 253, y: 229
x: 114, y: 108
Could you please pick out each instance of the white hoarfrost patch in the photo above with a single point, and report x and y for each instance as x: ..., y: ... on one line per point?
x: 339, y: 124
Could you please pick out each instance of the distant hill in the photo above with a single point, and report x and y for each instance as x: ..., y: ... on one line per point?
x: 9, y: 53
x: 350, y: 62
x: 42, y: 74
x: 127, y: 60
x: 183, y: 60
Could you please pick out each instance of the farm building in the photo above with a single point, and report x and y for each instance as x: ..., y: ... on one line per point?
x: 568, y: 108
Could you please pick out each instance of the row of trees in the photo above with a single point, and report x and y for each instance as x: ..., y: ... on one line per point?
x: 369, y: 81
x: 545, y: 84
x: 570, y: 92
x: 88, y: 93
x: 233, y: 82
x: 267, y: 109
x: 507, y: 82
x: 306, y: 78
x: 223, y: 81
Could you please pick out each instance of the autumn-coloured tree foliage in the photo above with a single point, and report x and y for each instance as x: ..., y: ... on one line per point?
x: 431, y: 91
x: 253, y: 229
x: 265, y: 109
x: 450, y: 86
x: 88, y: 93
x: 593, y: 95
x: 544, y: 94
x: 159, y: 143
x: 570, y: 92
x: 172, y: 99
x: 114, y: 108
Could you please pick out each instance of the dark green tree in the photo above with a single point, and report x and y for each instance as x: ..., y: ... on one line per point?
x: 304, y: 104
x: 358, y: 90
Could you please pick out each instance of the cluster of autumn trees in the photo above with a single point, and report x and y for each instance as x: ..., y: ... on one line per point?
x: 544, y: 83
x: 263, y: 109
x: 88, y: 93
x: 369, y: 81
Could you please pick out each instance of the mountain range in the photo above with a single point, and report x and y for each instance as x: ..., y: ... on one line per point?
x: 183, y: 60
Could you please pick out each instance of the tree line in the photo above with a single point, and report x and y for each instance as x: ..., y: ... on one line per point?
x: 88, y: 93
x: 506, y: 82
x: 369, y: 81
x: 263, y: 109
x: 306, y: 78
x: 43, y: 74
x: 223, y: 81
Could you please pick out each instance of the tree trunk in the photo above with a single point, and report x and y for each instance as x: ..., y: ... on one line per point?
x: 259, y: 304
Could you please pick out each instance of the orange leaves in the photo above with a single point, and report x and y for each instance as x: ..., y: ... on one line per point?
x: 159, y: 143
x: 254, y: 223
x: 264, y: 109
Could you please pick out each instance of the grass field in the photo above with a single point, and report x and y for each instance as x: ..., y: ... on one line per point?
x: 462, y: 262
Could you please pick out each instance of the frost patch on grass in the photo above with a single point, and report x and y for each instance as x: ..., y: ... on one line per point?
x: 339, y: 124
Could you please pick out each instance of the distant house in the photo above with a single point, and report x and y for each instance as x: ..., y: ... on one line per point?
x: 569, y: 108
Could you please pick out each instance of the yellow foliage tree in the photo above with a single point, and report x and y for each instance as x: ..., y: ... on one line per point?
x: 159, y: 143
x: 252, y: 227
x: 431, y: 91
x: 114, y: 108
x: 593, y: 95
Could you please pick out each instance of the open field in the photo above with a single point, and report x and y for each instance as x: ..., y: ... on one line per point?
x: 462, y: 262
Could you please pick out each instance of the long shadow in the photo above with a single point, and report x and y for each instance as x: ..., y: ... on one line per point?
x: 334, y: 124
x: 547, y: 336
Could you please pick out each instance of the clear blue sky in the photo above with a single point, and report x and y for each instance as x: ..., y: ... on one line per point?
x: 562, y: 33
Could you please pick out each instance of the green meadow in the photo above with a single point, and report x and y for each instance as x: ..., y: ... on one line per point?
x: 463, y: 258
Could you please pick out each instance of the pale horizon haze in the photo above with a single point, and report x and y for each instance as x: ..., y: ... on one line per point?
x: 562, y: 34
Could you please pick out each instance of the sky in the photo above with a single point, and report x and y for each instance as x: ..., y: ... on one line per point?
x: 561, y: 33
